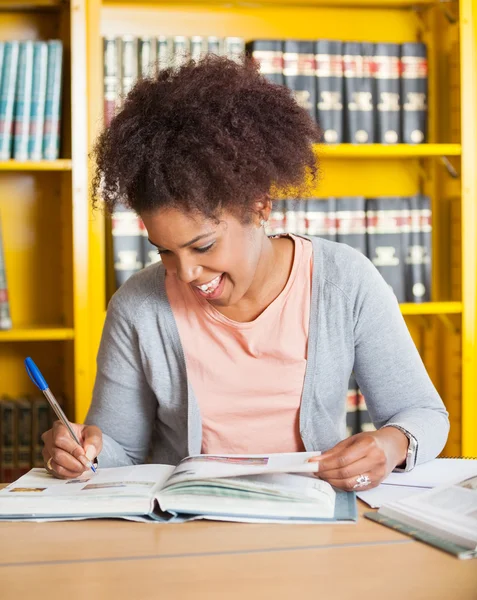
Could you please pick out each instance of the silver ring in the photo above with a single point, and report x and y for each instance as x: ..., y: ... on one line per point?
x: 362, y: 481
x: 48, y: 464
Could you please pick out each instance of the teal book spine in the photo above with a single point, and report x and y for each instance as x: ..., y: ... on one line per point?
x: 423, y: 536
x: 21, y: 127
x: 38, y: 98
x: 51, y: 133
x: 7, y: 97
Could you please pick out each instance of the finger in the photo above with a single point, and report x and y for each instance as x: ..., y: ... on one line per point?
x: 92, y: 441
x: 62, y: 472
x: 340, y: 458
x: 349, y: 472
x: 62, y: 439
x: 67, y: 461
x: 354, y: 484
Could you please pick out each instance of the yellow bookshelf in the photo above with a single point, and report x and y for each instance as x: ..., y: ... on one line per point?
x: 37, y: 334
x: 391, y: 151
x: 36, y: 165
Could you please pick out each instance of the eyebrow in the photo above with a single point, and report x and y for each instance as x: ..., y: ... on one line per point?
x: 193, y: 241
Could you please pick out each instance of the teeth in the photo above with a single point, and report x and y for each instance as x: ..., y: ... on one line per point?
x: 211, y: 286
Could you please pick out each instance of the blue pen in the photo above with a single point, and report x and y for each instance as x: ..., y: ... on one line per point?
x: 38, y: 379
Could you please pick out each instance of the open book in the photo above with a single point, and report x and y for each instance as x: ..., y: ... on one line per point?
x: 445, y: 516
x: 263, y: 488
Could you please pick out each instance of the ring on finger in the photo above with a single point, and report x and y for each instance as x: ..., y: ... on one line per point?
x: 362, y: 481
x: 48, y: 464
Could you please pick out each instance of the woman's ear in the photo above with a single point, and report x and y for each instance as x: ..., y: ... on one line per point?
x: 262, y: 209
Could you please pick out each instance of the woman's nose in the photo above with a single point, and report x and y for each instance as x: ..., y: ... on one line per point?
x: 188, y: 272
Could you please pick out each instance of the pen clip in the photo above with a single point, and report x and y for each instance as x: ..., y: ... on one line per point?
x: 35, y: 375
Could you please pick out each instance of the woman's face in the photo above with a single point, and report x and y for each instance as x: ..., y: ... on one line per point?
x: 218, y: 259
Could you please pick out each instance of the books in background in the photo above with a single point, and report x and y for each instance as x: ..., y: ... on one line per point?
x: 361, y: 92
x: 22, y: 422
x: 357, y: 415
x: 393, y: 232
x: 126, y: 59
x: 30, y: 99
x: 5, y: 319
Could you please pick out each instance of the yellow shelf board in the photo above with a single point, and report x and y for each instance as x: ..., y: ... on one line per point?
x: 297, y: 3
x: 63, y: 164
x: 29, y: 4
x: 386, y: 151
x: 37, y: 334
x: 431, y: 308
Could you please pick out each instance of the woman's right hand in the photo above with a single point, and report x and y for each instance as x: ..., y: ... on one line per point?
x: 68, y: 460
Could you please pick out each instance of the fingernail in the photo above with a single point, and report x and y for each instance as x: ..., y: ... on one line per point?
x: 90, y: 452
x: 83, y: 460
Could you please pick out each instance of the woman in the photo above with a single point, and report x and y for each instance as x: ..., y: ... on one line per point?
x: 238, y: 342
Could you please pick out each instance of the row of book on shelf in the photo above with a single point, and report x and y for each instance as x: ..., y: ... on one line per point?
x: 23, y: 420
x: 358, y: 92
x: 393, y: 232
x: 30, y: 99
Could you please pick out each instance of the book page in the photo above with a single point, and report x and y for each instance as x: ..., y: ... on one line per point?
x: 211, y: 466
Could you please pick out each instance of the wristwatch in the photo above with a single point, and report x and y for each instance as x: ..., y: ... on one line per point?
x: 411, y: 456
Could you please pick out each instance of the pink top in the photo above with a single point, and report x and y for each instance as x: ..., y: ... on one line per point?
x: 248, y: 377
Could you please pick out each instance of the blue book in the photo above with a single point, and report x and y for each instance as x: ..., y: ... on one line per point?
x: 21, y: 129
x: 38, y: 98
x: 51, y: 132
x: 7, y: 97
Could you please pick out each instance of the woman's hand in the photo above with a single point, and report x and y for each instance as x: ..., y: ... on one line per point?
x: 62, y: 455
x: 362, y: 461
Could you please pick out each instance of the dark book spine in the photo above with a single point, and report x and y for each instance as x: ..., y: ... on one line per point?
x: 384, y: 219
x: 359, y: 92
x: 5, y: 319
x: 419, y: 250
x: 351, y: 222
x: 329, y: 89
x: 321, y: 218
x: 127, y: 244
x: 388, y: 99
x: 414, y: 92
x: 269, y: 55
x: 299, y: 73
x: 8, y: 439
x: 352, y: 416
x: 111, y: 83
x: 24, y: 429
x: 40, y: 422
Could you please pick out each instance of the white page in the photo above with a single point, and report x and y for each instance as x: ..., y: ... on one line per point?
x: 383, y: 494
x: 209, y: 466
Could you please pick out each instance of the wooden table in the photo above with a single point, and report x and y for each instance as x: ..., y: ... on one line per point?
x: 119, y: 560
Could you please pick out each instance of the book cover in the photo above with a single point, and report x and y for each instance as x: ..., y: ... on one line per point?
x: 11, y: 52
x: 23, y: 98
x: 127, y: 244
x: 329, y: 89
x: 111, y: 78
x: 299, y: 73
x: 414, y: 92
x: 51, y: 133
x: 5, y: 318
x: 418, y: 256
x: 384, y: 218
x: 269, y: 55
x: 38, y: 100
x: 321, y: 218
x: 388, y: 98
x: 351, y: 222
x: 359, y: 119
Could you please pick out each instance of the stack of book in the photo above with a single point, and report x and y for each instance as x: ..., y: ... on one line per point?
x: 393, y: 232
x: 22, y: 422
x: 30, y: 99
x: 358, y: 92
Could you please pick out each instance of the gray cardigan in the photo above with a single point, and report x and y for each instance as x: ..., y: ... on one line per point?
x: 143, y: 401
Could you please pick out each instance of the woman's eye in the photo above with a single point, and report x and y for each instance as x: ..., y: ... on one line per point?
x: 205, y: 248
x: 163, y: 252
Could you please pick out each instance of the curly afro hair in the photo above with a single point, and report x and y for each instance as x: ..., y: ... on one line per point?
x: 213, y: 135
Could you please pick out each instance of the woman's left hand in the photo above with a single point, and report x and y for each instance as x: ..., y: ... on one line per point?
x: 362, y: 461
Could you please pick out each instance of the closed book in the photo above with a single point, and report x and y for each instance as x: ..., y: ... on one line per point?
x: 8, y: 82
x: 180, y: 50
x: 215, y: 45
x: 269, y: 55
x: 329, y: 89
x: 198, y: 47
x: 299, y: 73
x: 40, y: 422
x: 234, y: 48
x: 5, y: 318
x: 163, y: 52
x: 351, y: 222
x: 147, y: 57
x: 51, y: 132
x: 414, y: 92
x: 127, y: 244
x: 23, y: 97
x: 321, y: 218
x: 8, y: 435
x: 359, y: 92
x: 129, y: 64
x: 419, y: 250
x: 352, y: 417
x: 38, y: 100
x: 276, y: 221
x: 24, y: 436
x: 384, y: 218
x: 111, y: 77
x: 388, y: 92
x: 295, y: 216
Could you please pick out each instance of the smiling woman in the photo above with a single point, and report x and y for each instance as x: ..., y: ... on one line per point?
x: 239, y: 342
